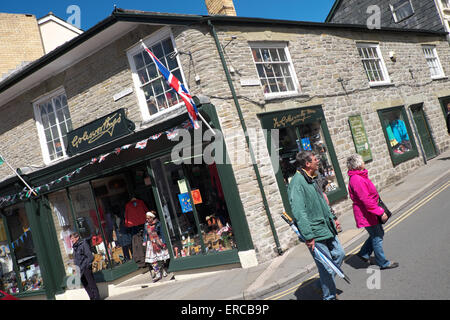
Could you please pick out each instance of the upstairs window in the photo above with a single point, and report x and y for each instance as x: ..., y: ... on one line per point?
x: 154, y: 94
x: 433, y: 61
x: 275, y: 69
x: 402, y: 10
x: 53, y: 121
x: 373, y: 63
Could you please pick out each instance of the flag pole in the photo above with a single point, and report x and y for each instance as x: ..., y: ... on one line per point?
x: 18, y: 175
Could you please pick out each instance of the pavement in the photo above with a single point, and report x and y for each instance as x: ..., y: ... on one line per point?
x: 294, y: 264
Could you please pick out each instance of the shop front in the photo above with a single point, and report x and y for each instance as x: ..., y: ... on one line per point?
x: 295, y: 130
x: 104, y: 193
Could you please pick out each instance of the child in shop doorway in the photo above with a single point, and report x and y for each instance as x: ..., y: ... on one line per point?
x: 156, y: 252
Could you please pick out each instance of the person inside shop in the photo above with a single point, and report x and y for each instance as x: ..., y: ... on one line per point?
x: 83, y: 258
x: 123, y: 237
x: 156, y: 253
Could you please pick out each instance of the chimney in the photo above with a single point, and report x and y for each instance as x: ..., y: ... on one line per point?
x: 220, y: 7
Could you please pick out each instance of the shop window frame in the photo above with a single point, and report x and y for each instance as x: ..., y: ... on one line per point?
x: 266, y: 120
x: 443, y: 101
x: 398, y: 159
x: 23, y: 294
x: 226, y: 175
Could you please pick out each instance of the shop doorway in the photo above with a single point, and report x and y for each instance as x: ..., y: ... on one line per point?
x: 193, y: 208
x: 423, y: 131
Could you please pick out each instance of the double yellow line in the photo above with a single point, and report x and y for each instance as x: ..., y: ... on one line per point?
x: 389, y: 227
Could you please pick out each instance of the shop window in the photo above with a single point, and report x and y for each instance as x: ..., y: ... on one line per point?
x: 19, y: 271
x: 398, y: 134
x: 275, y: 69
x: 153, y: 90
x: 402, y: 10
x: 88, y: 224
x: 295, y: 130
x: 307, y: 137
x: 194, y: 208
x: 433, y: 61
x: 53, y: 121
x: 373, y: 63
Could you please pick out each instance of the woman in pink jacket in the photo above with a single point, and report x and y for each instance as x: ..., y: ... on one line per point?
x: 366, y: 210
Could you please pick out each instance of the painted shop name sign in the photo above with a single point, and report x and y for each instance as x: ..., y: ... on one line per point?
x: 293, y: 119
x: 98, y: 132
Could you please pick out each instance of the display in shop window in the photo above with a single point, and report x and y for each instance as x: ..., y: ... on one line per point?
x: 397, y: 132
x: 205, y: 230
x: 24, y: 275
x: 308, y: 137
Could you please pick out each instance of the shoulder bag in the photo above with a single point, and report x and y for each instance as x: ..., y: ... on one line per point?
x: 386, y: 210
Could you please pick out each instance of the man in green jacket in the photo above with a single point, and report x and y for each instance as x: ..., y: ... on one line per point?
x: 314, y: 219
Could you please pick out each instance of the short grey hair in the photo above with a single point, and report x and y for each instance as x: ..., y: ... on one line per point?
x: 303, y: 157
x: 354, y: 162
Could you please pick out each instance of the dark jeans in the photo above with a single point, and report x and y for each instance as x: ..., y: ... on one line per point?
x: 88, y: 281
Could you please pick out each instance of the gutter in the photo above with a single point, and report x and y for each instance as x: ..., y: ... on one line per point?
x: 244, y: 127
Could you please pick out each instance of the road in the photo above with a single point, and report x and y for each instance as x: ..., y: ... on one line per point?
x: 418, y: 237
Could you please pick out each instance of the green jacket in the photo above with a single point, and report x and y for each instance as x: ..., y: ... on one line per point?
x: 309, y: 208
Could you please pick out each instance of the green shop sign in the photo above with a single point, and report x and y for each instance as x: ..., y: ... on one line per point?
x: 360, y: 137
x: 98, y: 132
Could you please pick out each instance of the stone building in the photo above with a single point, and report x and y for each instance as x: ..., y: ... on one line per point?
x: 91, y: 126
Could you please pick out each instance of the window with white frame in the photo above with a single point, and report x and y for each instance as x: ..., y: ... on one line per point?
x: 53, y: 121
x: 401, y: 10
x: 153, y: 90
x: 433, y: 61
x: 275, y: 69
x: 373, y: 63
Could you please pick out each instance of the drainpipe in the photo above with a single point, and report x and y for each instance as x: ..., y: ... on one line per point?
x: 244, y: 127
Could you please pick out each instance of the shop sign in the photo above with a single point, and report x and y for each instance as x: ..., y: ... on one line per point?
x: 98, y: 132
x: 360, y: 137
x: 292, y: 117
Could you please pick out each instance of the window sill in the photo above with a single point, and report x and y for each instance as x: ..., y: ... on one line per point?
x: 277, y: 96
x: 439, y: 78
x: 383, y: 84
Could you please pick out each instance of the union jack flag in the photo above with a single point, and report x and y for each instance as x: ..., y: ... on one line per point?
x: 176, y: 85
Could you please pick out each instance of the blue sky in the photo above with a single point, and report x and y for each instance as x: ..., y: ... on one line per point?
x: 93, y: 11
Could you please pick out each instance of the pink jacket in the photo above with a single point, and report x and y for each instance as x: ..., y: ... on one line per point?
x: 365, y: 199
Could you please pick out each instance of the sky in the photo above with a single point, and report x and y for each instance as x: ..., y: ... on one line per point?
x: 93, y: 11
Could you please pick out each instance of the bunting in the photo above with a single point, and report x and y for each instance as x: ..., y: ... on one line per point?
x: 26, y: 193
